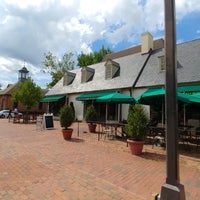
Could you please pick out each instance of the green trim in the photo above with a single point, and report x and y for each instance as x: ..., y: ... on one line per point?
x: 53, y: 98
x: 188, y: 89
x: 116, y: 97
x: 92, y: 96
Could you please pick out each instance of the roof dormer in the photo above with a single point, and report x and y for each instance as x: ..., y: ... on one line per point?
x: 112, y: 69
x: 87, y: 74
x: 162, y: 64
x: 68, y: 78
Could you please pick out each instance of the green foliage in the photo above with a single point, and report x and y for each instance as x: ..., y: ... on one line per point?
x: 137, y: 122
x: 66, y: 116
x: 57, y: 67
x: 89, y: 59
x: 28, y: 93
x: 91, y: 115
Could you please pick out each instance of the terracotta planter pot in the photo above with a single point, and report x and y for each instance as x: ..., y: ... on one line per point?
x: 92, y: 128
x: 67, y: 133
x: 135, y: 146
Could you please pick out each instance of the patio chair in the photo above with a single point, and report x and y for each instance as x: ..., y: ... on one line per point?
x: 184, y: 135
x: 197, y: 134
x: 106, y: 131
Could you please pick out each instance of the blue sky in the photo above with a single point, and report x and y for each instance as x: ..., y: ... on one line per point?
x: 31, y: 28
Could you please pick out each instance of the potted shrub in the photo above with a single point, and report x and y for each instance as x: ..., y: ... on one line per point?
x: 91, y: 117
x: 66, y: 120
x: 136, y: 128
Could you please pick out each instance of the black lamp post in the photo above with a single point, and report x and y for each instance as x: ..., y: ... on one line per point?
x: 172, y: 189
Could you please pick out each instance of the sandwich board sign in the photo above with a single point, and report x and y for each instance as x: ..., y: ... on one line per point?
x: 48, y: 121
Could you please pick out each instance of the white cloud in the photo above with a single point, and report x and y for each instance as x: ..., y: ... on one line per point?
x: 184, y: 7
x: 31, y: 28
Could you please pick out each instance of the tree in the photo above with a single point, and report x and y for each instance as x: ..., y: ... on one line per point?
x: 57, y: 67
x: 28, y: 93
x: 96, y: 57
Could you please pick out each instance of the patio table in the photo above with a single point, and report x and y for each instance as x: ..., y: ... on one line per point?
x: 110, y: 129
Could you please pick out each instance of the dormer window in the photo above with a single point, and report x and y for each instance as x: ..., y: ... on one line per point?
x: 162, y: 63
x: 112, y: 69
x: 87, y: 74
x: 68, y: 78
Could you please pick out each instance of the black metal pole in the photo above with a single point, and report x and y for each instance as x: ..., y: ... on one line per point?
x: 78, y: 128
x: 172, y: 189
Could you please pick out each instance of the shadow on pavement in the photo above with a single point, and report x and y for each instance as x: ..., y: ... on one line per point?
x: 153, y: 156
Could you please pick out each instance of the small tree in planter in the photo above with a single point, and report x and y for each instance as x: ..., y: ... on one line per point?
x: 90, y: 117
x: 66, y: 120
x: 136, y: 128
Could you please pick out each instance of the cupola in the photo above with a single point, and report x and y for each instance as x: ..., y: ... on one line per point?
x: 23, y: 74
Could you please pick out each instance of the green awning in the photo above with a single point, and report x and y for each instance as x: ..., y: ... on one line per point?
x: 189, y: 88
x: 92, y: 96
x: 53, y: 98
x: 116, y: 97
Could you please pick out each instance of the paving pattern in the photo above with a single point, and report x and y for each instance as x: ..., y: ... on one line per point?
x: 40, y: 164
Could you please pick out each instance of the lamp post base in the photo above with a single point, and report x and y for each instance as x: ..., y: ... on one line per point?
x: 169, y: 192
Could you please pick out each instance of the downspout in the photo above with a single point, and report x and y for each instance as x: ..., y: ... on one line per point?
x: 141, y: 70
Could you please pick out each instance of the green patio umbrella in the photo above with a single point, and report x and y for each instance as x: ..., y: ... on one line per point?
x: 195, y: 98
x: 116, y: 97
x: 152, y: 96
x: 156, y: 97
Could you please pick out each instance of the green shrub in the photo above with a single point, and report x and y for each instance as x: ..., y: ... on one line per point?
x: 66, y: 116
x: 137, y: 122
x: 91, y: 115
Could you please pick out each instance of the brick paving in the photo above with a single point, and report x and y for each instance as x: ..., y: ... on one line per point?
x: 40, y: 164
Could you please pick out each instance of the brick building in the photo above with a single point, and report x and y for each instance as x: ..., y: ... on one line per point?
x: 6, y: 96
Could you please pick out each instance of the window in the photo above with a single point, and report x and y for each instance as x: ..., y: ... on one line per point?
x: 87, y: 74
x: 68, y: 78
x: 162, y: 63
x: 112, y: 112
x: 40, y: 105
x: 112, y: 69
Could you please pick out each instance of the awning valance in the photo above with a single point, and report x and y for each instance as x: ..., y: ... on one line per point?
x: 53, y: 98
x: 92, y: 96
x: 116, y: 97
x: 189, y: 88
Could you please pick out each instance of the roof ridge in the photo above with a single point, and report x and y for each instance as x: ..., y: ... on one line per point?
x: 158, y: 44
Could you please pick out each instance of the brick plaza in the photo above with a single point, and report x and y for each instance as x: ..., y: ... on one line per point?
x: 40, y: 164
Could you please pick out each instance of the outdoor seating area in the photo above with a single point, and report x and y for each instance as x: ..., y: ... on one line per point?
x: 157, y: 136
x: 110, y: 130
x: 189, y: 136
x: 24, y: 118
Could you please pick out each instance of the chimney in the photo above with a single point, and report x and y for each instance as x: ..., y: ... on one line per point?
x: 147, y: 42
